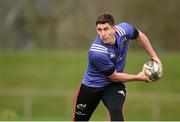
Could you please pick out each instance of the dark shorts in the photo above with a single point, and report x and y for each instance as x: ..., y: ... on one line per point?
x: 112, y: 96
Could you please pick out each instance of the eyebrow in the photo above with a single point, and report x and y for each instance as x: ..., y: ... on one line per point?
x: 103, y: 28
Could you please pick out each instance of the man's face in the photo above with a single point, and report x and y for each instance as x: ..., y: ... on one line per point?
x: 106, y: 33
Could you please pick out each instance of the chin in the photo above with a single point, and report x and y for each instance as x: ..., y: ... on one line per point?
x: 105, y: 42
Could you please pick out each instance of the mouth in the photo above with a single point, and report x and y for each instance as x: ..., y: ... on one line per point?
x: 104, y: 39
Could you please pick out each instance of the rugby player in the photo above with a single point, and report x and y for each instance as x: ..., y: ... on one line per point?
x: 104, y: 78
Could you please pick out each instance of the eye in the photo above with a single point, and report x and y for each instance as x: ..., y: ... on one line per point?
x: 106, y: 29
x: 99, y: 29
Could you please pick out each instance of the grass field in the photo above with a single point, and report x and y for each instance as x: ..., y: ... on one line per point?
x: 63, y: 70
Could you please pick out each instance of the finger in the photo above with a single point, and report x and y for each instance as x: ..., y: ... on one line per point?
x: 149, y: 81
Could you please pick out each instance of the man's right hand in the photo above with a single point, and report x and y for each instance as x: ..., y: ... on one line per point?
x: 142, y: 77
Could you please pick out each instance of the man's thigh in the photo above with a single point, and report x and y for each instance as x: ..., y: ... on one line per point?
x: 113, y: 98
x: 86, y: 102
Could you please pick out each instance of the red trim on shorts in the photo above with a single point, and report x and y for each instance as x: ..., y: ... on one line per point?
x: 75, y: 99
x: 123, y: 108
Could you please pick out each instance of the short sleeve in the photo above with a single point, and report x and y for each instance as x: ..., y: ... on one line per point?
x: 103, y: 63
x: 127, y: 29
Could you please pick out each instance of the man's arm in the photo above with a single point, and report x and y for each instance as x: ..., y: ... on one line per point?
x: 144, y: 42
x: 124, y: 77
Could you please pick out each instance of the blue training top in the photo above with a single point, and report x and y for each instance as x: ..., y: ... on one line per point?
x: 103, y: 57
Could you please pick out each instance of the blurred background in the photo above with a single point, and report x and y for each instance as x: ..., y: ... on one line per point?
x: 43, y: 56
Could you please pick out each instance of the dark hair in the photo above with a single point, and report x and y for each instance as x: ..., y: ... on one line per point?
x: 105, y: 18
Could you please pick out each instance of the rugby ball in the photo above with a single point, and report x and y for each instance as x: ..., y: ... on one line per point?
x: 153, y: 70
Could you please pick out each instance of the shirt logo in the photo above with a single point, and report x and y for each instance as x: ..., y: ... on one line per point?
x: 119, y: 58
x: 112, y: 55
x: 124, y: 41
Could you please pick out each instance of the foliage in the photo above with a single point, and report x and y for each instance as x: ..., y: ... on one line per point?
x: 67, y: 24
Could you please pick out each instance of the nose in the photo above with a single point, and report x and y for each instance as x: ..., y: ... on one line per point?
x: 103, y: 33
